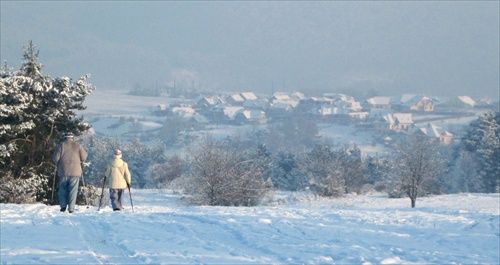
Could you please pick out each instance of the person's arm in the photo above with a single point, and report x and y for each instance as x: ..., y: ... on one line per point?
x: 108, y: 172
x: 56, y: 155
x: 83, y: 154
x: 126, y: 175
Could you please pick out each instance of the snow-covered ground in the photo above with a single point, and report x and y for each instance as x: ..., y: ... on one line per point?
x: 293, y: 228
x: 119, y: 102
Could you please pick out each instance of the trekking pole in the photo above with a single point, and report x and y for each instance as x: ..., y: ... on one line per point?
x: 83, y: 183
x: 130, y: 194
x: 53, y: 186
x: 102, y: 192
x: 84, y: 194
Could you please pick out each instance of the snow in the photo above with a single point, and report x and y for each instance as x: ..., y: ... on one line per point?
x: 290, y: 228
x: 112, y: 102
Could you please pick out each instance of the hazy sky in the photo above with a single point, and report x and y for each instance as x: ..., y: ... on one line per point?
x: 432, y: 47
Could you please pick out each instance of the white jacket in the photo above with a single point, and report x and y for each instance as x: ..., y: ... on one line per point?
x: 118, y: 174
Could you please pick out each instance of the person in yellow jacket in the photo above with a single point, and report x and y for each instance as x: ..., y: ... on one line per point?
x: 119, y: 178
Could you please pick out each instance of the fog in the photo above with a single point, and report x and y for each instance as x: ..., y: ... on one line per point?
x: 444, y: 48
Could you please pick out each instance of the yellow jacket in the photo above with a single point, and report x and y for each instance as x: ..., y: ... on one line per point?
x: 118, y: 174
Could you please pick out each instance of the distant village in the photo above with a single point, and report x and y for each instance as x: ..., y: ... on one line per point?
x: 384, y: 115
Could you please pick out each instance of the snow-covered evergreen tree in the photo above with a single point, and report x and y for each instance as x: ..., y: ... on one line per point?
x: 377, y: 171
x: 35, y: 111
x: 353, y: 168
x: 324, y: 168
x: 463, y: 176
x: 334, y: 172
x: 483, y: 141
x: 285, y: 174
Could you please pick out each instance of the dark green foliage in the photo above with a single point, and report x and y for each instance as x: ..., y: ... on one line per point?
x: 285, y: 173
x: 482, y: 141
x: 35, y: 111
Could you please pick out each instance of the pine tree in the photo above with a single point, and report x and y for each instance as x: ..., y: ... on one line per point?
x: 35, y: 111
x: 285, y: 174
x: 483, y: 141
x: 325, y: 170
x: 353, y: 167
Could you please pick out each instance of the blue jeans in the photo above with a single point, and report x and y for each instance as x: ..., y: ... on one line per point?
x: 116, y: 196
x: 68, y: 190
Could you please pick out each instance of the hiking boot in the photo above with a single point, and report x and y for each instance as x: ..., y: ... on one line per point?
x: 70, y: 211
x: 117, y: 209
x: 63, y: 209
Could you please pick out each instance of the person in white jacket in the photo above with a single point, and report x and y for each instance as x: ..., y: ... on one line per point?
x: 119, y: 179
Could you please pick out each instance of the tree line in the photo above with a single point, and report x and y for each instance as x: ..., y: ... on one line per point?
x: 240, y: 170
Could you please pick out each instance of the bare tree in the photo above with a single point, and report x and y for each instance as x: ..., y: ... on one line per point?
x: 224, y: 175
x: 418, y: 161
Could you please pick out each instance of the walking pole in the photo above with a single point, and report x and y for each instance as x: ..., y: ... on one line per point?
x: 83, y: 183
x: 102, y: 192
x: 53, y: 186
x: 130, y: 194
x: 83, y: 191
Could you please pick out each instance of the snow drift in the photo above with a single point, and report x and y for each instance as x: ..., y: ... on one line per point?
x: 291, y: 229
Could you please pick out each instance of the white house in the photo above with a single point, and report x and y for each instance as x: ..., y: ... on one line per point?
x: 434, y: 132
x: 393, y: 121
x: 249, y: 96
x: 414, y: 102
x: 250, y: 116
x: 379, y: 102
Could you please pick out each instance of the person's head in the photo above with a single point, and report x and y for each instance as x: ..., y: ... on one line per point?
x: 118, y: 153
x: 68, y: 135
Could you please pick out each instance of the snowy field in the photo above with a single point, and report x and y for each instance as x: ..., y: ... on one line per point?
x: 120, y: 103
x: 289, y: 229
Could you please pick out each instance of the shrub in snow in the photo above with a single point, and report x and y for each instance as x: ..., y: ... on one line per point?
x: 21, y: 190
x: 88, y: 195
x: 223, y: 175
